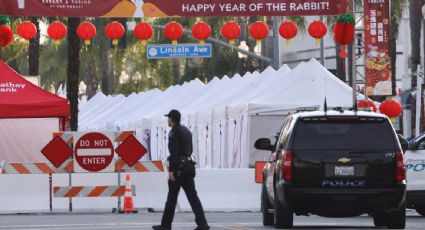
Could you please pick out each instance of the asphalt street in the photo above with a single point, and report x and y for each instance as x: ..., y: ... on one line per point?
x: 218, y: 221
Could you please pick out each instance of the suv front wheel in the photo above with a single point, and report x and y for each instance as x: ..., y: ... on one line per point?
x: 283, y: 218
x: 268, y: 218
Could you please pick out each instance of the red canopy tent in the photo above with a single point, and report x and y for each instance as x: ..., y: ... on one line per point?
x: 28, y: 116
x: 19, y: 98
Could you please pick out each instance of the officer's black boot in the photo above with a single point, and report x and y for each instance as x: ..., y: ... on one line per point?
x: 203, y: 227
x: 160, y: 227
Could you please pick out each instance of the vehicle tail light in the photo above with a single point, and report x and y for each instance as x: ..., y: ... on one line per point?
x: 401, y: 167
x: 287, y: 165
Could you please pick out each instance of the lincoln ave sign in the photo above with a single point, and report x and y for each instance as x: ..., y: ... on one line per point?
x: 171, y: 8
x: 179, y: 51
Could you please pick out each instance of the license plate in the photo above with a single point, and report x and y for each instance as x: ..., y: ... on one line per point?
x: 344, y: 170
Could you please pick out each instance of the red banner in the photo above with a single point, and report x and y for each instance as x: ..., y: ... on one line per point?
x: 171, y: 8
x: 378, y: 44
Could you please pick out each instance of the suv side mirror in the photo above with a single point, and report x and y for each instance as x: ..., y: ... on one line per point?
x: 403, y: 142
x: 263, y: 144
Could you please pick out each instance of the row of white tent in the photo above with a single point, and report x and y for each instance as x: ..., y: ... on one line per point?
x: 225, y: 116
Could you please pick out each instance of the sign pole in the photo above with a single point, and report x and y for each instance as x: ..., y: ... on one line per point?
x: 70, y: 185
x: 119, y: 197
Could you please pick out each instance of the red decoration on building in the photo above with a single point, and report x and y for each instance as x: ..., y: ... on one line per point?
x: 143, y: 32
x: 317, y: 30
x: 391, y: 108
x: 259, y: 30
x: 115, y: 31
x: 366, y: 104
x: 57, y: 31
x: 231, y: 31
x: 288, y: 30
x: 344, y: 33
x: 27, y: 30
x: 201, y: 31
x: 86, y: 31
x: 6, y: 35
x: 173, y: 31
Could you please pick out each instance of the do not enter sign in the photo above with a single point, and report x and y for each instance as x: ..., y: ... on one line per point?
x: 94, y: 152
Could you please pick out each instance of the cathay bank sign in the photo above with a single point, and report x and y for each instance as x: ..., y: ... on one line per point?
x: 9, y: 87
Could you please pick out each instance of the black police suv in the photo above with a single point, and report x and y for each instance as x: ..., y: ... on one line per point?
x: 334, y: 164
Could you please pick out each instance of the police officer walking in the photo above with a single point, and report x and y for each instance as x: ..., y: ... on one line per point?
x: 181, y: 174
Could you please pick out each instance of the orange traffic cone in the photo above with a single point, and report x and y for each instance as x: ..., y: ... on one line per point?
x: 128, y: 197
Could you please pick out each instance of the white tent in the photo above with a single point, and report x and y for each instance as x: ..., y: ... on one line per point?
x: 225, y: 116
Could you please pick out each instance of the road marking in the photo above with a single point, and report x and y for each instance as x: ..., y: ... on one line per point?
x: 233, y: 226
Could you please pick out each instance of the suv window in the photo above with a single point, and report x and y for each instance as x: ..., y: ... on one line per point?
x: 352, y: 133
x: 283, y: 140
x: 421, y: 145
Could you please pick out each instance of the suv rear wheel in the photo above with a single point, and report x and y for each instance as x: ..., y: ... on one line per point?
x: 283, y: 218
x: 379, y: 219
x: 268, y: 218
x: 397, y: 219
x: 421, y: 210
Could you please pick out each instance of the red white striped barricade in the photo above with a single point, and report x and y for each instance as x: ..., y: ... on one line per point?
x: 37, y: 168
x: 91, y: 191
x: 67, y: 166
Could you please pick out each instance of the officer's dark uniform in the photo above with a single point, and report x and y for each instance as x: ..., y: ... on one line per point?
x: 181, y: 164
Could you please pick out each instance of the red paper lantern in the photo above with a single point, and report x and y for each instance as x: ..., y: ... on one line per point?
x: 231, y: 31
x: 259, y: 30
x: 288, y: 30
x: 143, y: 32
x: 115, y: 31
x: 317, y: 30
x: 6, y: 35
x: 366, y: 104
x: 344, y: 32
x: 391, y: 108
x: 27, y: 30
x: 86, y: 31
x: 201, y: 31
x: 173, y: 31
x: 57, y: 31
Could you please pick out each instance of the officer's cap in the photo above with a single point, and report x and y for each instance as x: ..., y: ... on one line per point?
x: 174, y: 115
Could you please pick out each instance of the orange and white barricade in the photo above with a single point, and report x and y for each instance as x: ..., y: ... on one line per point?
x: 91, y: 191
x: 67, y: 165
